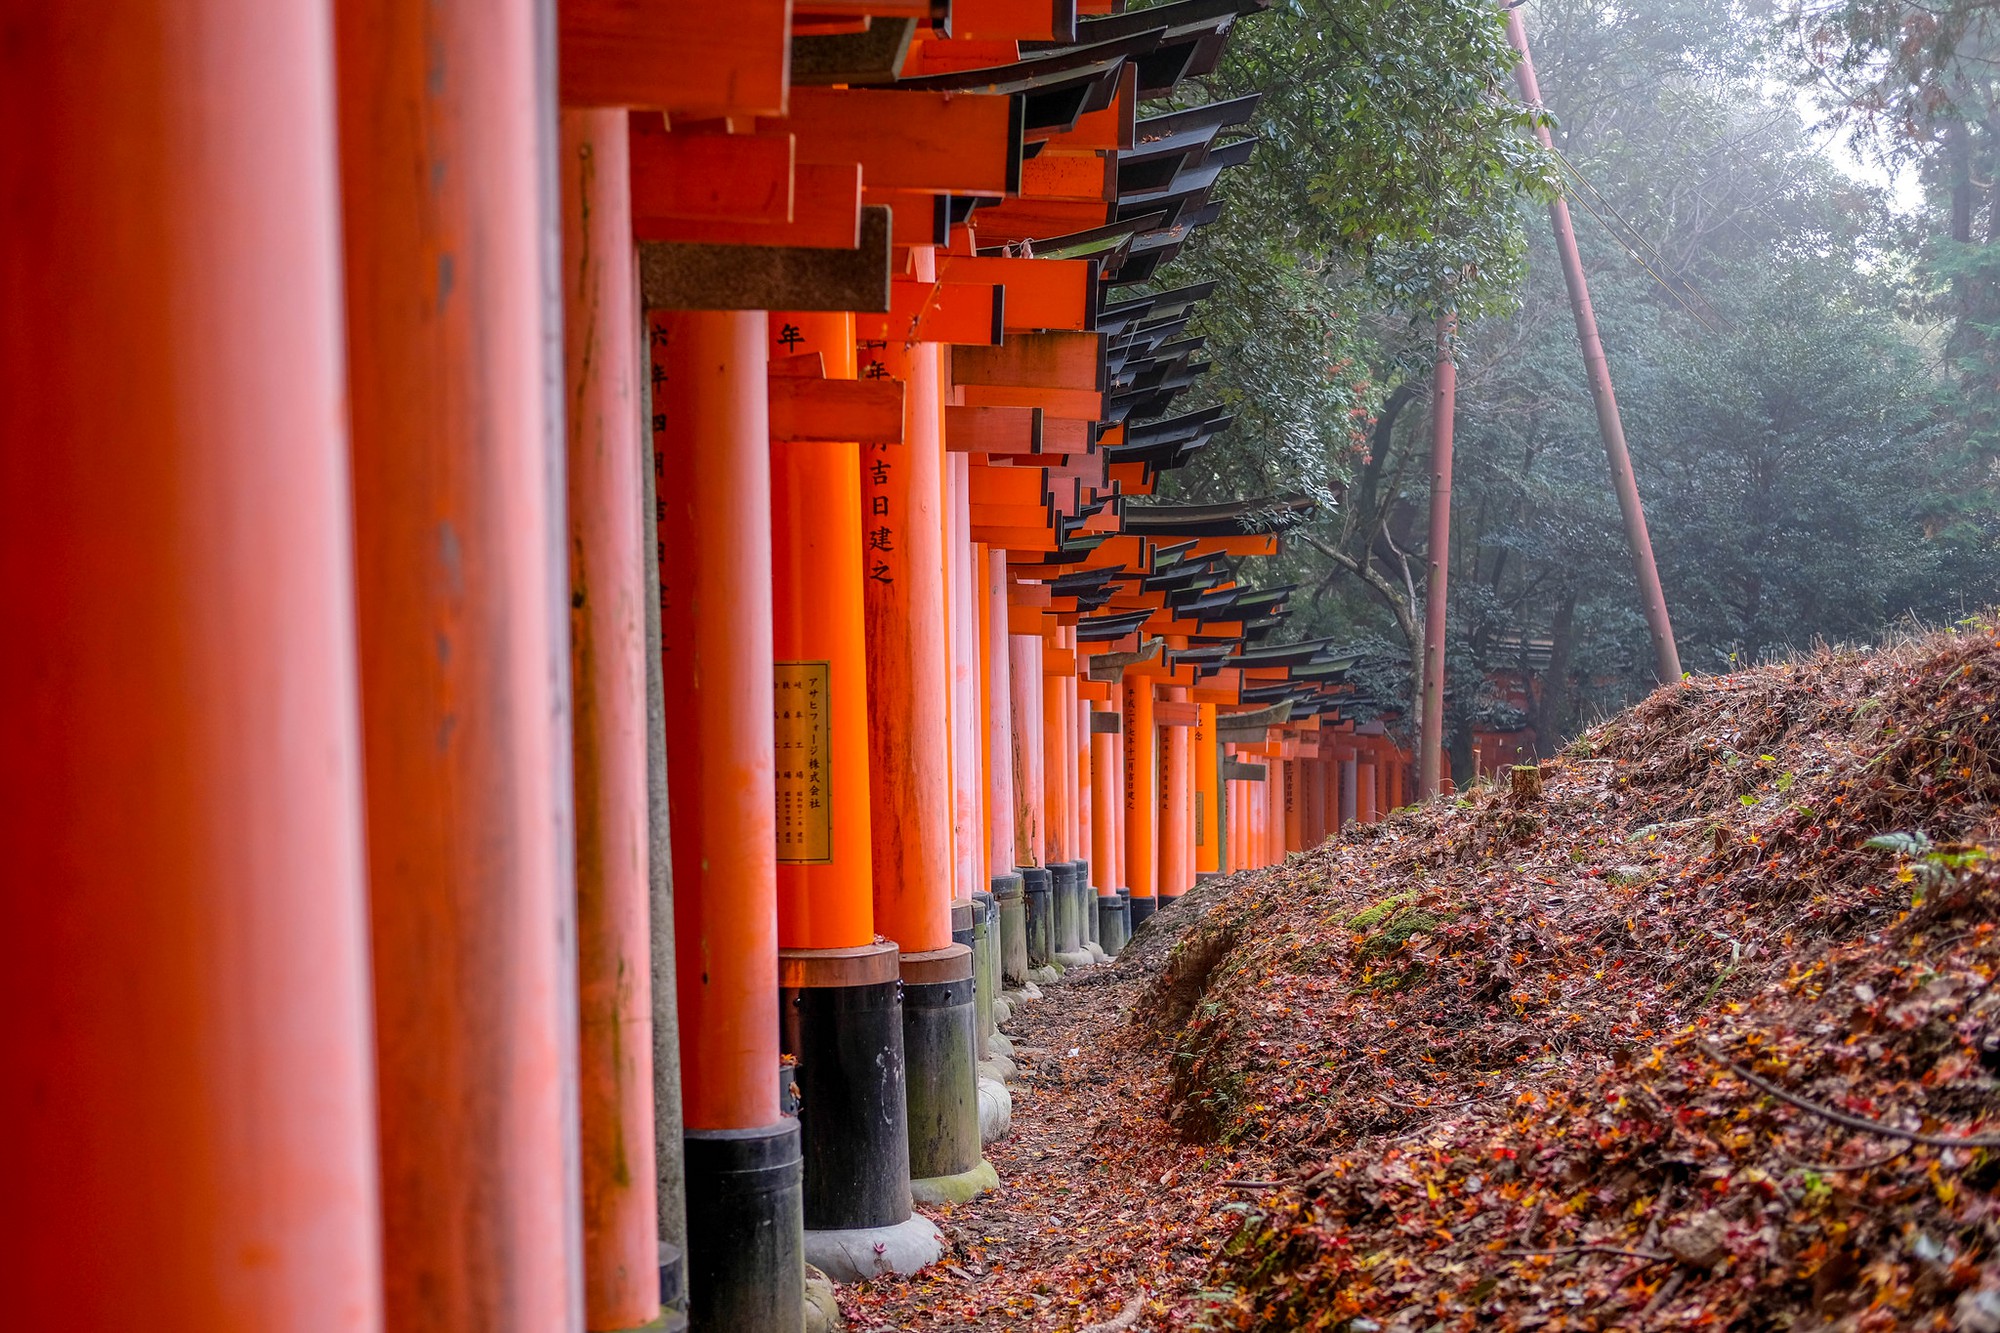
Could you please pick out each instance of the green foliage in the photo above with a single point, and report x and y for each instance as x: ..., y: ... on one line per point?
x: 1393, y: 139
x: 1810, y: 387
x: 1383, y: 191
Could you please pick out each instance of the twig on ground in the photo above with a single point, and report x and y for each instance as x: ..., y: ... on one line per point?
x: 1252, y: 1184
x: 1862, y: 1123
x: 1651, y: 1255
x: 1433, y: 1106
x: 1121, y: 1321
x: 1664, y: 1294
x: 1868, y: 1165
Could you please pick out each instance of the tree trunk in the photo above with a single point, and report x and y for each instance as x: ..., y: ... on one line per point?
x: 1549, y: 717
x: 1958, y: 153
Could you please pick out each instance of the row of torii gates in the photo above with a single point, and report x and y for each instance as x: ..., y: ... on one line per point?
x: 431, y: 902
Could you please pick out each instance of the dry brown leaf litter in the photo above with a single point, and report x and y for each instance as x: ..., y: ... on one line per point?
x: 1575, y: 1061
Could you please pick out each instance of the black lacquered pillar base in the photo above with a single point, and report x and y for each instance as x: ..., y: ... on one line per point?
x: 942, y: 1069
x: 985, y: 966
x: 1114, y: 922
x: 746, y: 1265
x: 1086, y: 903
x: 1065, y: 935
x: 841, y: 1019
x: 1039, y: 892
x: 1010, y: 893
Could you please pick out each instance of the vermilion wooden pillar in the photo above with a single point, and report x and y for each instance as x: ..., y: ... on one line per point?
x: 1086, y: 791
x: 607, y: 591
x: 1317, y: 828
x: 1251, y: 834
x: 447, y: 140
x: 1241, y: 833
x: 1366, y: 788
x: 1331, y: 795
x: 183, y: 975
x: 1142, y: 798
x: 1207, y: 794
x: 1024, y: 666
x: 1076, y: 741
x: 909, y: 750
x: 1279, y: 779
x: 1295, y: 811
x: 909, y: 758
x: 1056, y: 768
x: 1348, y: 796
x: 711, y: 447
x: 1106, y: 851
x: 999, y: 748
x: 968, y: 815
x: 1176, y: 870
x: 820, y: 712
x: 712, y: 441
x: 840, y: 1012
x: 1272, y: 798
x: 1232, y: 855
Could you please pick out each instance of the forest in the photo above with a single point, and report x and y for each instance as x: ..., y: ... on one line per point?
x: 1790, y: 221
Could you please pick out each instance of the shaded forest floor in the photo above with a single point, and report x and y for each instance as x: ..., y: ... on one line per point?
x: 1699, y: 1028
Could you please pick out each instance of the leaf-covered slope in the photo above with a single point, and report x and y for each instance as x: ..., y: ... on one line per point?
x: 1521, y: 1047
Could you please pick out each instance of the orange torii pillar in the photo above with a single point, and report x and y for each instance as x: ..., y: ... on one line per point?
x: 960, y: 845
x: 968, y: 819
x: 1252, y: 837
x: 711, y: 444
x: 839, y: 1004
x: 1024, y: 668
x: 1277, y: 800
x: 1142, y: 798
x: 1348, y: 798
x: 1079, y: 727
x: 608, y: 587
x: 1065, y: 868
x: 1312, y: 797
x: 1009, y: 889
x: 1246, y: 794
x: 1271, y: 802
x: 447, y: 129
x: 1208, y: 861
x: 1295, y: 809
x: 1107, y: 844
x: 1176, y: 807
x: 190, y: 1115
x: 1330, y: 791
x: 1252, y: 825
x: 1086, y: 809
x: 1366, y: 788
x: 1187, y: 806
x: 910, y: 777
x: 1076, y: 756
x: 970, y: 833
x: 1232, y: 858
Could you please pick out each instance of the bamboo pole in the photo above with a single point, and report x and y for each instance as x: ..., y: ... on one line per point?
x: 1444, y: 393
x: 1652, y: 599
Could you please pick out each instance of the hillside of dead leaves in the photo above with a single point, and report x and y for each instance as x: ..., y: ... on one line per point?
x: 1693, y: 1027
x: 1698, y: 1029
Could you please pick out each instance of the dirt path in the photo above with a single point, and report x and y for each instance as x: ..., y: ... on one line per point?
x: 1098, y: 1204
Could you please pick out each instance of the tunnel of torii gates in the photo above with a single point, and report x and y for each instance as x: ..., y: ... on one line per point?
x: 439, y: 895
